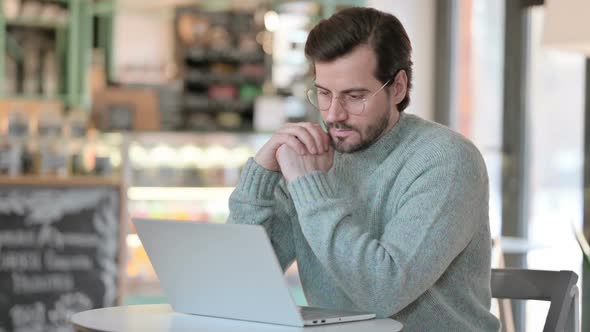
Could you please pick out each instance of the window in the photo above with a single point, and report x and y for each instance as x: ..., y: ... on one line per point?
x: 555, y: 128
x: 476, y: 101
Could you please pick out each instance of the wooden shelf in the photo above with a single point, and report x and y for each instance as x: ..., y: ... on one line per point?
x: 70, y: 181
x: 23, y: 97
x: 194, y: 76
x: 234, y: 55
x: 205, y: 104
x: 31, y: 23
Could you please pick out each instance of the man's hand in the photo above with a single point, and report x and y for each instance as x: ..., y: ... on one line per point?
x: 294, y: 165
x: 304, y: 138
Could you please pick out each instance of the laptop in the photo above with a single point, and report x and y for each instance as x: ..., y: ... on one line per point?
x: 226, y: 271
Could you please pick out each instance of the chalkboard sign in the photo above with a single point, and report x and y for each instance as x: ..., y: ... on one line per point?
x: 59, y: 254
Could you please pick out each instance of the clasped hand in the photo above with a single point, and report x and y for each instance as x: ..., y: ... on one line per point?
x: 297, y: 149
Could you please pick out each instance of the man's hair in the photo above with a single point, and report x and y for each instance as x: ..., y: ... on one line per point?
x: 351, y: 27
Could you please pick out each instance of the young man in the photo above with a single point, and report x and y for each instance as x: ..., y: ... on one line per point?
x: 385, y: 212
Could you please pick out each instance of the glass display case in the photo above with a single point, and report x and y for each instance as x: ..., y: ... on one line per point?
x: 180, y: 176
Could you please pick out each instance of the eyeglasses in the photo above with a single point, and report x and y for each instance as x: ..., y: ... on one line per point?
x: 352, y: 102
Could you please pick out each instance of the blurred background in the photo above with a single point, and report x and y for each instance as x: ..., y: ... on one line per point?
x: 163, y: 101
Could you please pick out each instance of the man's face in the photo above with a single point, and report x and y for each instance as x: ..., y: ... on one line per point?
x: 353, y: 75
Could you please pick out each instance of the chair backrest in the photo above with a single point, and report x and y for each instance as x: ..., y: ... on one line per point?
x: 558, y: 287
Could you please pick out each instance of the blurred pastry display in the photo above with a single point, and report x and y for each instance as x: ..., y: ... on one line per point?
x: 192, y: 29
x: 229, y: 120
x: 252, y: 70
x: 250, y: 91
x: 218, y: 38
x: 202, y: 121
x: 222, y: 68
x: 222, y: 91
x: 248, y: 43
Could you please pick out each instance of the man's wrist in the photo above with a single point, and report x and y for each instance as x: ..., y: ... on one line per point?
x: 263, y: 165
x: 292, y: 176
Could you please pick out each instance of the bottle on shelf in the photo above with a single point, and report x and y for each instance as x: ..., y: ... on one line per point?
x: 31, y: 65
x: 10, y: 75
x: 90, y: 155
x: 50, y: 74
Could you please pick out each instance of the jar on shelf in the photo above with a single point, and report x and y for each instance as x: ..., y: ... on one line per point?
x: 52, y: 154
x: 14, y: 150
x: 91, y: 156
x: 75, y: 132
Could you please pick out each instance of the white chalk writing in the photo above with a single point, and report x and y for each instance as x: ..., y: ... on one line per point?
x: 66, y: 306
x: 51, y: 236
x: 53, y: 282
x: 28, y: 317
x: 20, y: 261
x: 83, y: 240
x: 17, y: 238
x: 49, y: 206
x: 47, y: 236
x: 53, y: 261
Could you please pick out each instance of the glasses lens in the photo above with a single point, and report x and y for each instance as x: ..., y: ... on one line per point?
x: 320, y: 99
x: 312, y: 96
x: 355, y: 106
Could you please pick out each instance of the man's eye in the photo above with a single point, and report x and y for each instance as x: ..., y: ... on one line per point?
x: 354, y: 97
x: 323, y: 93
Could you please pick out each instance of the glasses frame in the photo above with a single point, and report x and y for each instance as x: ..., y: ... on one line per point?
x: 362, y: 101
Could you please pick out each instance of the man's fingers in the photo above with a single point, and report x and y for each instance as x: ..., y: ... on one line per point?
x: 309, y: 134
x: 320, y: 137
x: 293, y: 142
x: 303, y: 135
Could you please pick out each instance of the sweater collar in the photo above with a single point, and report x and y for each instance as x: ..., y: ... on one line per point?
x: 366, y: 160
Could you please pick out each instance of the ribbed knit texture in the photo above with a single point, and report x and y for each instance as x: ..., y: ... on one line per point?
x: 400, y: 228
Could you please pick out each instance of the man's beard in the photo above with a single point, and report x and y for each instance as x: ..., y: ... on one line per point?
x: 371, y: 134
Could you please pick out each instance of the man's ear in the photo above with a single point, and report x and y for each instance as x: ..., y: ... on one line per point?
x: 399, y: 87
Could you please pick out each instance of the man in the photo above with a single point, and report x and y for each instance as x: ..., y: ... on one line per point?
x: 385, y: 212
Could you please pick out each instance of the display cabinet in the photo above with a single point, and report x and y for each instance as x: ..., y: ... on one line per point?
x: 181, y: 176
x: 221, y: 61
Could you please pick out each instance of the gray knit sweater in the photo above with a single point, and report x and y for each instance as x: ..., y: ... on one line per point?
x: 400, y: 229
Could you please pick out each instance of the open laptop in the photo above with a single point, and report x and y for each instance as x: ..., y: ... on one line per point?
x: 227, y: 271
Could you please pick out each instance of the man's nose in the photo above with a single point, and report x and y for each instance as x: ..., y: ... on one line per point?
x: 336, y: 112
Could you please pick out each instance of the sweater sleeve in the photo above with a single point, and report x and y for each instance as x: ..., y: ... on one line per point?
x: 258, y: 200
x: 437, y: 214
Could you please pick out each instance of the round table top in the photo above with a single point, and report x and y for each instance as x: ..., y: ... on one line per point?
x: 160, y: 317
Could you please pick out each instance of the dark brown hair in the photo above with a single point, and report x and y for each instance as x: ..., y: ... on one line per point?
x: 351, y: 27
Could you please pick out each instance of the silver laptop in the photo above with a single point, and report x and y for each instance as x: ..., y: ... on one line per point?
x: 227, y: 271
